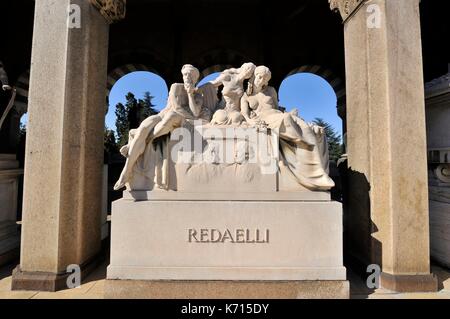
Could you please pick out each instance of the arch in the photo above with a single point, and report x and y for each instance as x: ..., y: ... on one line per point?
x: 219, y: 59
x: 213, y: 69
x: 119, y: 72
x: 140, y: 59
x: 335, y: 81
x: 138, y: 80
x: 315, y: 96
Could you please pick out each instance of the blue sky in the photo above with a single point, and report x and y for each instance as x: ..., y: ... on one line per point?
x: 309, y: 93
x: 137, y: 83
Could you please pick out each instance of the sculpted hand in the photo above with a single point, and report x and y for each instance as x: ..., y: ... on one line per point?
x: 190, y: 89
x: 6, y: 88
x: 124, y: 150
x: 318, y: 130
x: 294, y: 112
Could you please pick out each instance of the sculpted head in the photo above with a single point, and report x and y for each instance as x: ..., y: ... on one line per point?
x: 191, y: 75
x: 262, y: 77
x: 246, y: 70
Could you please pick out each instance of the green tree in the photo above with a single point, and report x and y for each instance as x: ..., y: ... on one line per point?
x: 147, y: 107
x: 131, y: 115
x: 110, y: 142
x: 133, y: 110
x: 22, y: 130
x: 335, y: 146
x: 122, y: 125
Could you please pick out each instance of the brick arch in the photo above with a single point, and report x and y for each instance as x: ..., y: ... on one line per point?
x: 335, y: 81
x: 219, y: 59
x: 328, y: 75
x: 117, y: 73
x: 214, y: 68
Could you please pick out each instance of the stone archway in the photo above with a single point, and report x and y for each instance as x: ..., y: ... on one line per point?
x: 335, y: 81
x: 213, y: 69
x: 117, y: 73
x: 219, y: 59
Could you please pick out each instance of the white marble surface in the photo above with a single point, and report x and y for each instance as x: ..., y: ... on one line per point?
x: 151, y: 241
x: 300, y: 149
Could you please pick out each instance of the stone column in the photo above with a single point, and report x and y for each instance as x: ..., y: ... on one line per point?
x: 386, y: 141
x: 64, y: 152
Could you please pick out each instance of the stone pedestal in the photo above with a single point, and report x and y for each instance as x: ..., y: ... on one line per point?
x: 169, y: 247
x: 230, y: 221
x: 386, y: 142
x: 64, y: 152
x: 9, y: 231
x: 205, y: 289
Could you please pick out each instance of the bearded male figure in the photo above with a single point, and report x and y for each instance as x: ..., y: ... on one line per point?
x: 185, y: 102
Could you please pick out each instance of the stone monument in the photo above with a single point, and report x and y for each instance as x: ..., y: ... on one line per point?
x: 226, y: 199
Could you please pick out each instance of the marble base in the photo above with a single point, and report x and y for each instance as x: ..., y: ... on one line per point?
x: 226, y: 240
x: 139, y: 289
x: 163, y: 195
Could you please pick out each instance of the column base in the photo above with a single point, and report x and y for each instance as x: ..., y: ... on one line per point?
x: 409, y: 283
x: 45, y: 281
x: 142, y: 289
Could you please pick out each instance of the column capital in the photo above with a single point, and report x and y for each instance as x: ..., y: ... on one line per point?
x: 346, y: 7
x: 111, y: 10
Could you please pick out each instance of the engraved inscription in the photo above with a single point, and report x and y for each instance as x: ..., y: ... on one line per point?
x: 235, y: 236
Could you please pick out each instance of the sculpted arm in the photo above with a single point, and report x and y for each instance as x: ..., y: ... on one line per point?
x: 219, y: 81
x: 195, y: 103
x: 274, y: 95
x: 170, y: 101
x: 245, y: 107
x: 225, y: 76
